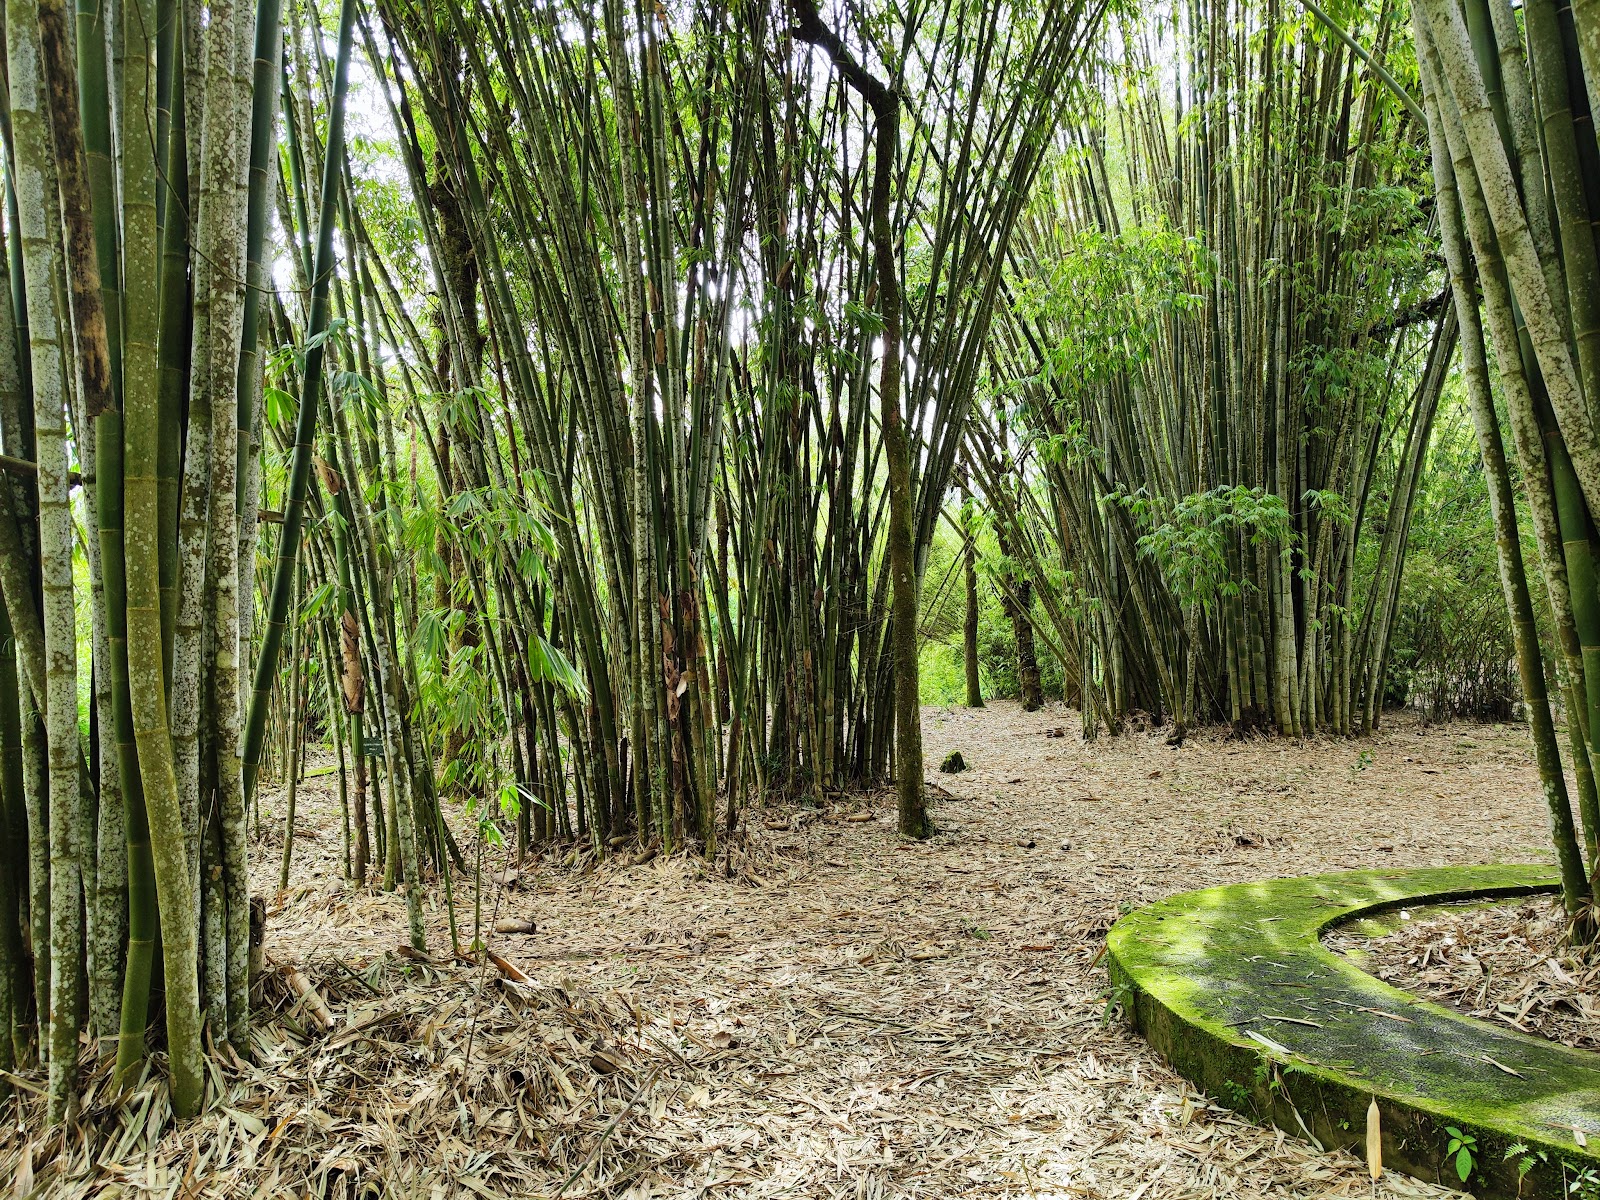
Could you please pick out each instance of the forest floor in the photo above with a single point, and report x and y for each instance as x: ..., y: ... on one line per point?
x: 849, y: 1016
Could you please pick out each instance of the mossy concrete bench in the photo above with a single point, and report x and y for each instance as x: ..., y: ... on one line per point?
x: 1233, y: 986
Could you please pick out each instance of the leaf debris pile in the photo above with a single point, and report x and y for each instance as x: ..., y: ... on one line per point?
x: 1510, y: 963
x: 431, y: 1073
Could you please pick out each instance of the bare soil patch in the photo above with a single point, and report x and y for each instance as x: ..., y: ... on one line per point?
x: 849, y: 1016
x: 1509, y: 963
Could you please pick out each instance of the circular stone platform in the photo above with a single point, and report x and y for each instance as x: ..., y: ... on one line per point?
x: 1233, y: 986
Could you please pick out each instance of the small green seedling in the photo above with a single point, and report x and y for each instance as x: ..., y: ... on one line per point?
x: 1115, y: 999
x: 1525, y: 1161
x: 1461, y: 1148
x: 1584, y: 1183
x: 1238, y: 1096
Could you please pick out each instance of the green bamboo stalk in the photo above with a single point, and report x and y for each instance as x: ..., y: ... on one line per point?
x: 14, y: 982
x: 1526, y: 272
x: 263, y: 149
x: 41, y: 255
x: 969, y: 624
x: 1446, y: 147
x: 172, y: 347
x: 15, y: 588
x: 141, y: 378
x: 295, y: 708
x: 306, y: 424
x: 151, y: 443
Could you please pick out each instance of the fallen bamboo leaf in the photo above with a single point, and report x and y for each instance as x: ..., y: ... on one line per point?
x: 1276, y: 1047
x: 1374, y: 1141
x: 23, y: 1179
x: 1378, y: 1012
x: 1495, y: 1063
x: 509, y: 969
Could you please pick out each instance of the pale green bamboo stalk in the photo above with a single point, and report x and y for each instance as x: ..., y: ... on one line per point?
x: 220, y: 274
x: 310, y: 401
x: 1446, y: 147
x: 42, y: 263
x: 140, y: 377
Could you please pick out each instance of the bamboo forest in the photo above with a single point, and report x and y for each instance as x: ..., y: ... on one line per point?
x: 828, y: 599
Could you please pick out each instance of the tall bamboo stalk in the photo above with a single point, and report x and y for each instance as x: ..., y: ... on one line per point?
x: 41, y: 252
x: 306, y: 426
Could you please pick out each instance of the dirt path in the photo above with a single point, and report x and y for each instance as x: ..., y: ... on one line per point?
x: 852, y: 1017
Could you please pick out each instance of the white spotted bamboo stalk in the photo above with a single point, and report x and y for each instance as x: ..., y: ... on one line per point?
x: 1464, y: 213
x: 1524, y: 267
x: 40, y: 248
x: 220, y: 271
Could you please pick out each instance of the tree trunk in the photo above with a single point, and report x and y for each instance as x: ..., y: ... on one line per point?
x: 904, y: 591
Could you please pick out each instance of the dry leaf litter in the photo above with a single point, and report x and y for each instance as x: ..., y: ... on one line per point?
x: 844, y: 1015
x: 1509, y: 962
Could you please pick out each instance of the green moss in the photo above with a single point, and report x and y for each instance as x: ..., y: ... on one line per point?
x: 1234, y: 987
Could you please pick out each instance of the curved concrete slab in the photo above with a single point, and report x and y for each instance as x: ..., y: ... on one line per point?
x: 1233, y: 986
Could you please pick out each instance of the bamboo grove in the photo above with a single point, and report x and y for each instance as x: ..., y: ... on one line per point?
x: 1226, y: 343
x: 126, y: 418
x: 583, y: 493
x: 541, y: 422
x: 719, y: 447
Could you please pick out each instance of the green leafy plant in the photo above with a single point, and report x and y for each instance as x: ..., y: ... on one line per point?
x: 1189, y: 539
x: 1111, y: 296
x: 1116, y: 998
x: 1584, y: 1184
x: 1236, y: 1094
x: 1461, y: 1150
